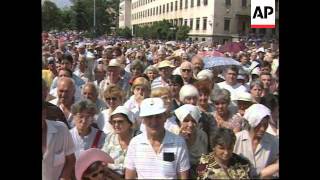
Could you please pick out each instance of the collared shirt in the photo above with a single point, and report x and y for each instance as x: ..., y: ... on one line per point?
x: 59, y: 145
x: 266, y: 152
x: 233, y: 89
x: 158, y: 82
x: 123, y: 83
x: 84, y: 143
x: 69, y: 118
x: 149, y: 165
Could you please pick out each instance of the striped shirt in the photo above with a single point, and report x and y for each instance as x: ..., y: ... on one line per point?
x: 142, y: 158
x: 158, y: 82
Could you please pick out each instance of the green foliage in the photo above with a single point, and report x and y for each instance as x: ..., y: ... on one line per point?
x: 182, y: 32
x: 125, y: 32
x: 50, y: 16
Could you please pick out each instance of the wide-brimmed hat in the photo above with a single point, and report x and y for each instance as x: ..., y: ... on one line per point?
x: 165, y: 63
x: 152, y: 106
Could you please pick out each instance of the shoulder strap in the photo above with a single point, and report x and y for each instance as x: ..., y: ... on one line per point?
x: 96, y: 139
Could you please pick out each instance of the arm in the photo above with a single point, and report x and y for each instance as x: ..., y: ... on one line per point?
x: 68, y: 168
x: 270, y: 170
x: 183, y: 174
x: 130, y: 174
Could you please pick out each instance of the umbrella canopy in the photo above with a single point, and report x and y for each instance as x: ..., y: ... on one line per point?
x: 173, y: 43
x: 210, y: 62
x: 234, y: 47
x: 210, y: 53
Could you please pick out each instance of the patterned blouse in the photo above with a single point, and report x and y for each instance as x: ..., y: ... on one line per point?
x: 208, y: 168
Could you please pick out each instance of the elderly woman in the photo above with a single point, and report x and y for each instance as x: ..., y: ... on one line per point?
x: 141, y: 90
x: 113, y: 96
x: 175, y: 84
x: 83, y: 134
x: 92, y: 165
x: 197, y: 140
x: 256, y: 88
x: 186, y: 70
x: 222, y: 113
x: 136, y: 68
x: 221, y: 163
x: 244, y: 101
x: 255, y: 144
x: 151, y: 72
x: 203, y: 87
x: 117, y: 142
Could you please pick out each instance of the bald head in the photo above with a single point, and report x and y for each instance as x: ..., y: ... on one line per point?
x: 66, y: 90
x: 197, y: 63
x: 186, y: 71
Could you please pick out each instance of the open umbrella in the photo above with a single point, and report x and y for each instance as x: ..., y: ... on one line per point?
x: 210, y: 53
x: 234, y: 47
x: 210, y: 62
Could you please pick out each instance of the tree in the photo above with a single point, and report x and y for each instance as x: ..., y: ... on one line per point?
x: 50, y: 16
x: 125, y: 32
x: 182, y: 32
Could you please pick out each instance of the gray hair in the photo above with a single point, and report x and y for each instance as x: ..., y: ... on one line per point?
x: 91, y: 85
x: 221, y: 94
x: 137, y: 64
x: 83, y: 105
x: 256, y: 82
x: 151, y: 68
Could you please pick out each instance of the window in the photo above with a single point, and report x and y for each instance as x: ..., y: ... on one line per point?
x: 167, y: 7
x: 176, y: 6
x: 176, y: 22
x: 180, y: 4
x: 228, y: 2
x: 203, y: 39
x: 191, y: 23
x: 198, y: 2
x: 192, y: 1
x: 205, y: 2
x: 148, y: 1
x: 186, y: 22
x: 197, y: 23
x: 164, y: 9
x: 148, y: 13
x: 154, y: 11
x: 204, y: 25
x: 243, y: 27
x: 186, y: 4
x: 171, y: 6
x: 157, y: 11
x: 244, y: 3
x: 226, y: 24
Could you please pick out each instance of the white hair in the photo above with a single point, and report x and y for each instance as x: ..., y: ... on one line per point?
x: 188, y: 91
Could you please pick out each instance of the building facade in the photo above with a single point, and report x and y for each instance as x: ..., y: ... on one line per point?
x: 217, y: 20
x: 125, y: 14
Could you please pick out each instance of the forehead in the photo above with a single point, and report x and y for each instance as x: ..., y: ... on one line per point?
x: 65, y: 84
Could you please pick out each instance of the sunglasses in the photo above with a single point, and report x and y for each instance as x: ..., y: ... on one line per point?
x: 186, y: 70
x: 111, y: 98
x: 115, y: 122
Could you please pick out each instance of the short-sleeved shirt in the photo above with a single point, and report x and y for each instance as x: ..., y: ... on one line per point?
x: 86, y: 142
x: 266, y: 152
x: 142, y: 158
x: 113, y: 148
x: 69, y: 118
x: 59, y: 145
x: 158, y: 82
x: 233, y: 89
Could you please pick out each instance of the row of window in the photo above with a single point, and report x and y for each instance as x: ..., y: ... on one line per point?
x: 192, y: 3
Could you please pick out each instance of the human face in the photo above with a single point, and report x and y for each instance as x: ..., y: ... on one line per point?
x: 244, y: 60
x: 203, y: 98
x: 167, y: 99
x: 223, y: 153
x: 266, y: 80
x: 65, y: 91
x: 66, y: 65
x: 100, y: 73
x: 197, y: 65
x: 188, y: 125
x: 256, y: 91
x: 191, y: 100
x: 113, y: 73
x: 221, y: 106
x: 165, y: 72
x: 174, y: 89
x: 231, y: 77
x: 139, y: 91
x: 265, y: 69
x: 64, y: 73
x: 186, y: 73
x: 119, y: 124
x: 242, y: 106
x: 83, y: 120
x: 136, y: 71
x: 261, y: 128
x: 98, y: 174
x: 113, y: 101
x: 154, y: 123
x: 152, y: 75
x: 89, y: 93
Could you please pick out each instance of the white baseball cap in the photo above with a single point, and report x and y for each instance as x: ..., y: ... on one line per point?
x: 125, y: 111
x: 152, y: 106
x: 114, y: 62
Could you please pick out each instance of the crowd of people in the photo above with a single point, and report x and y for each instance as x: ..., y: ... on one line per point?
x: 150, y: 109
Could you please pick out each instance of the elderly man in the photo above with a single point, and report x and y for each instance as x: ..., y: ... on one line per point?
x: 231, y: 83
x: 58, y: 159
x: 82, y: 69
x: 66, y: 91
x: 198, y: 64
x: 66, y: 63
x: 186, y: 72
x: 156, y: 153
x: 99, y: 74
x: 165, y: 69
x: 114, y: 78
x: 90, y: 91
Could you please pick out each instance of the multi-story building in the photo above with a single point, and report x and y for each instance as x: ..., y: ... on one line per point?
x: 219, y: 20
x: 125, y: 13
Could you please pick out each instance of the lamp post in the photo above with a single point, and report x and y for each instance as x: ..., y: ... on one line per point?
x: 94, y: 16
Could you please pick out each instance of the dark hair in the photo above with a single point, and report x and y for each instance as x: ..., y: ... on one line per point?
x: 68, y: 70
x: 232, y: 68
x: 265, y: 64
x: 203, y: 86
x: 223, y: 137
x: 93, y: 167
x: 123, y: 115
x: 265, y: 73
x: 67, y: 57
x: 176, y: 79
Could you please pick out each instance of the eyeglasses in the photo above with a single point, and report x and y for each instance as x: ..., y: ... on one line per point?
x: 158, y: 116
x: 115, y: 122
x: 186, y: 70
x: 111, y: 98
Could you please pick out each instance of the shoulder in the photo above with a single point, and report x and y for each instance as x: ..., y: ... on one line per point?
x: 58, y: 125
x: 242, y: 134
x: 239, y: 159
